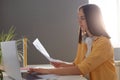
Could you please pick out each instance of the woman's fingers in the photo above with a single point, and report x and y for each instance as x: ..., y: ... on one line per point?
x: 34, y: 69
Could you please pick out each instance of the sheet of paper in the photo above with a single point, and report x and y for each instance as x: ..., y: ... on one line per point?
x: 41, y: 48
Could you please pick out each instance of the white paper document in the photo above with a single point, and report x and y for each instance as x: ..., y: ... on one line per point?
x: 41, y: 48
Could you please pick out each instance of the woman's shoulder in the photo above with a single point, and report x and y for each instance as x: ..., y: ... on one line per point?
x: 102, y: 40
x: 98, y: 40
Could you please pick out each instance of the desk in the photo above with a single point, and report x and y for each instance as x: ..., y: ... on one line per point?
x: 69, y: 77
x: 53, y: 77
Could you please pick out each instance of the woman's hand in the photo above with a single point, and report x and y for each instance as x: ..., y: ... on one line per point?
x: 61, y: 64
x: 39, y: 71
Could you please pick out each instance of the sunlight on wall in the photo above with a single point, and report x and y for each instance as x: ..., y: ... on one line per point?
x: 110, y: 16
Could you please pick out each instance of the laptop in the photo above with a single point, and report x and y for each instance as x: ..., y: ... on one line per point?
x: 12, y: 65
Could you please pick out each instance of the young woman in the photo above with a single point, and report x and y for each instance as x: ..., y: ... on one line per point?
x: 95, y: 54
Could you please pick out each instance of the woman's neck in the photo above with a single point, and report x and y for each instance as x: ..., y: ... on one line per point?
x: 89, y: 34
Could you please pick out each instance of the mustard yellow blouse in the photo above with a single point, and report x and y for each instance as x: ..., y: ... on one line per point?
x: 99, y: 64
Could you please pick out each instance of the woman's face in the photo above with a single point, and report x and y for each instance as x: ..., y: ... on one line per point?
x: 82, y: 20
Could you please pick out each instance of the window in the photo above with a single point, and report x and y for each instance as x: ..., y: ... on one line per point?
x: 111, y: 15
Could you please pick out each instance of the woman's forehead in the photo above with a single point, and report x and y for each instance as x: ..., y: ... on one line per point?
x: 81, y: 13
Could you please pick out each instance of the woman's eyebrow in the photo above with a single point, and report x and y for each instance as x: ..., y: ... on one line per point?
x: 82, y: 16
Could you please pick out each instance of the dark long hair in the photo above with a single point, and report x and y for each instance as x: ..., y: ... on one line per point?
x: 94, y: 21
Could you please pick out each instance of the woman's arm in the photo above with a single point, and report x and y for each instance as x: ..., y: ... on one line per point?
x: 62, y: 64
x: 59, y: 71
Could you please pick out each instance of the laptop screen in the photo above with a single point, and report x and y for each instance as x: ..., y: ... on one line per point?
x: 10, y: 60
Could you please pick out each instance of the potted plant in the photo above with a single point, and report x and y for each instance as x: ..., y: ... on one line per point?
x: 10, y: 35
x: 6, y: 37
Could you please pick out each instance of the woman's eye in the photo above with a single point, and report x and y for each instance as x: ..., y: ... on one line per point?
x: 82, y: 18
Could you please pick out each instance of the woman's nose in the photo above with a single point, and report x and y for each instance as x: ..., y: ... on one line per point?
x: 80, y: 22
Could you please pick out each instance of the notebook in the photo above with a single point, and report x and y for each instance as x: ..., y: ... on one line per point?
x: 12, y: 65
